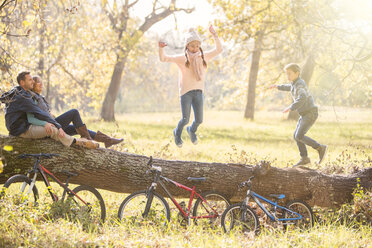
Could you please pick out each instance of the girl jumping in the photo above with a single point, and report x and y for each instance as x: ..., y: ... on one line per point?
x: 192, y: 68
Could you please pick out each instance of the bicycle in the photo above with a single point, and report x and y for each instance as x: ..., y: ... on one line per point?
x: 82, y: 200
x: 147, y: 206
x: 240, y: 215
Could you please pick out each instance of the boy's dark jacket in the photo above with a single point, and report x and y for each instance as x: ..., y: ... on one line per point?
x: 18, y: 102
x: 302, y: 99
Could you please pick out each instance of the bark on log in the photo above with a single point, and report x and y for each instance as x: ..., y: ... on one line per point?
x: 126, y: 173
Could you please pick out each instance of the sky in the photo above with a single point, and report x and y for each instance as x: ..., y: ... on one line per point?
x: 201, y: 16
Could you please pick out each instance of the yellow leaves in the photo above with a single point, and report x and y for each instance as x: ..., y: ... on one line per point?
x: 8, y: 148
x: 26, y: 23
x: 103, y: 2
x: 1, y: 166
x: 115, y: 6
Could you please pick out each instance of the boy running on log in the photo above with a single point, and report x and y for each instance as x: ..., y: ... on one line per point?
x: 303, y: 103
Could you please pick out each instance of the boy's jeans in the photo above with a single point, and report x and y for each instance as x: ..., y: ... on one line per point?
x: 73, y: 116
x: 192, y: 98
x: 303, y: 125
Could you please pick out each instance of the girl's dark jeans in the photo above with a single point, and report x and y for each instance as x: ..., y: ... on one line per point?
x: 73, y: 116
x: 194, y: 99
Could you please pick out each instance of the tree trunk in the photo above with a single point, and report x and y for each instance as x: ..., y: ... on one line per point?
x: 108, y: 111
x: 307, y: 72
x: 256, y: 55
x: 126, y: 173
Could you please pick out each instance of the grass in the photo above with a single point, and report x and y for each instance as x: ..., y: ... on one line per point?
x: 223, y: 137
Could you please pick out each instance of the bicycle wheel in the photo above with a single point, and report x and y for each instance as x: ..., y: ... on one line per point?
x: 214, y: 200
x: 87, y: 205
x: 133, y: 207
x: 17, y: 190
x: 234, y: 217
x: 307, y: 220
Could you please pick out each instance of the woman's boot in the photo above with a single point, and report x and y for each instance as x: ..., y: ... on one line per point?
x: 83, y: 131
x: 109, y: 141
x: 90, y: 144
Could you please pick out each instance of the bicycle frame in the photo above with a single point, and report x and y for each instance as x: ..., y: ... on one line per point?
x: 186, y: 214
x: 42, y: 170
x: 256, y: 197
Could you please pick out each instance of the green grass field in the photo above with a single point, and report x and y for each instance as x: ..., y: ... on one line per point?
x: 223, y: 137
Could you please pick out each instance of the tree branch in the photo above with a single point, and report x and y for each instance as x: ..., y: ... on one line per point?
x: 6, y: 2
x: 80, y: 83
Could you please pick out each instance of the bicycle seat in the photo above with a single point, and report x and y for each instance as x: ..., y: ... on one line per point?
x: 69, y: 174
x: 277, y: 196
x: 197, y: 179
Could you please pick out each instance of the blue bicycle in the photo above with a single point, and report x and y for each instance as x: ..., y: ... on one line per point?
x: 241, y: 216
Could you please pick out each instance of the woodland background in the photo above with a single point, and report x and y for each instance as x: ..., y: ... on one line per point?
x: 102, y: 56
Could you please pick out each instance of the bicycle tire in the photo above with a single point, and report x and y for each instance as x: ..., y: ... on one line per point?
x: 232, y: 218
x: 8, y: 190
x: 302, y: 208
x: 95, y: 208
x: 218, y: 201
x: 132, y: 208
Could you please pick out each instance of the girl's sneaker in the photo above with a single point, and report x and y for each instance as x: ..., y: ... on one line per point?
x: 193, y: 137
x: 177, y: 139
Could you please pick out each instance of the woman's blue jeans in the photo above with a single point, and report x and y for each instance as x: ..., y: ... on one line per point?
x: 73, y: 116
x: 194, y: 99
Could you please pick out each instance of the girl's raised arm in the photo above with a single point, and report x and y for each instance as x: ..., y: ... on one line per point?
x: 218, y: 49
x: 165, y: 58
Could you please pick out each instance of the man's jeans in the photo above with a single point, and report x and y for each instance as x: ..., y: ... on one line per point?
x: 73, y: 116
x: 192, y: 98
x: 303, y: 125
x: 39, y: 132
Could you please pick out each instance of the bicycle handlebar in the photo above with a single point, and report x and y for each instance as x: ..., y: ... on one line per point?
x: 45, y: 155
x: 152, y: 167
x: 246, y: 183
x: 149, y: 163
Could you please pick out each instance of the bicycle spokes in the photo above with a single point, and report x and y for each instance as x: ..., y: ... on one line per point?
x: 86, y: 205
x: 305, y: 220
x: 240, y: 219
x: 18, y: 192
x: 132, y: 210
x: 208, y: 212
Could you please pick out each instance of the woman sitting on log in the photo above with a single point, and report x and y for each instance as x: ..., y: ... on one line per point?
x: 73, y: 115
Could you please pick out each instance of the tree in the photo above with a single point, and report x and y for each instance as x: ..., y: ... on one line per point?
x: 128, y: 35
x: 256, y: 54
x: 250, y: 22
x: 126, y: 173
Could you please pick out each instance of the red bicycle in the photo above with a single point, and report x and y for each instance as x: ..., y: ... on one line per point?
x: 82, y: 201
x: 147, y: 206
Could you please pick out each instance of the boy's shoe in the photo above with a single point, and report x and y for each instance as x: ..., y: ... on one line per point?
x: 193, y: 137
x: 177, y: 139
x: 322, y: 150
x: 303, y: 161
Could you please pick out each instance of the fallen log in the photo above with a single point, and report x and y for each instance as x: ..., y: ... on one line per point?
x: 125, y: 172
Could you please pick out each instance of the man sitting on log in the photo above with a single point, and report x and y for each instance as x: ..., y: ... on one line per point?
x: 19, y: 102
x: 73, y: 115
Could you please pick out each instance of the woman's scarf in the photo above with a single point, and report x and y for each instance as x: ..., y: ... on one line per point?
x: 196, y: 63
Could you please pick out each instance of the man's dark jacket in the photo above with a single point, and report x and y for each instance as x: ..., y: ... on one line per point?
x: 19, y: 102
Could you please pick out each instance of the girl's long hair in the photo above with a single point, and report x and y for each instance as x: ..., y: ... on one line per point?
x: 187, y: 64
